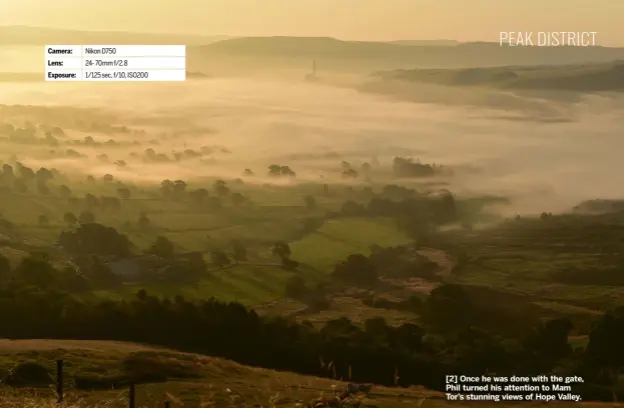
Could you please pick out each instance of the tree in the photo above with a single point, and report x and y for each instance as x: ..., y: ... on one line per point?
x: 166, y: 189
x: 51, y: 140
x: 91, y: 201
x: 150, y: 154
x: 35, y: 270
x: 112, y: 204
x: 287, y: 171
x: 377, y: 327
x: 449, y: 307
x: 43, y: 220
x: 43, y: 189
x: 102, y: 276
x: 248, y: 172
x: 163, y: 247
x: 20, y: 186
x: 124, y: 193
x: 550, y: 340
x: 196, y: 262
x: 281, y: 249
x: 25, y: 172
x: 86, y: 217
x: 5, y: 270
x: 95, y: 239
x: 108, y: 178
x: 289, y: 264
x: 296, y: 288
x: 220, y: 188
x: 219, y: 258
x: 352, y: 208
x: 275, y: 170
x: 310, y: 202
x: 604, y: 350
x: 143, y: 221
x: 7, y: 172
x: 179, y: 188
x: 446, y: 209
x: 238, y: 199
x: 240, y: 252
x: 70, y: 219
x: 349, y: 173
x: 198, y: 197
x: 356, y: 269
x: 64, y: 191
x: 43, y: 175
x: 214, y: 203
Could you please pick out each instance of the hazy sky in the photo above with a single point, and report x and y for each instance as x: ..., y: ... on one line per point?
x: 346, y: 19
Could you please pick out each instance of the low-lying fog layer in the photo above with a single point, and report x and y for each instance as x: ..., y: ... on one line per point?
x: 545, y: 166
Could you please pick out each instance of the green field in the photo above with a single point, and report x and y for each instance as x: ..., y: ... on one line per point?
x: 247, y: 284
x: 337, y: 239
x: 275, y: 213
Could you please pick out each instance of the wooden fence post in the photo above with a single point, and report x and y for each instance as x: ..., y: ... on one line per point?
x: 131, y: 396
x: 59, y: 381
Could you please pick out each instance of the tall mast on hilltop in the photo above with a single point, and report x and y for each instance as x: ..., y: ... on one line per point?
x: 311, y: 77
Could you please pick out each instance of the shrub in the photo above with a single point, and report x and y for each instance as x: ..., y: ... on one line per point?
x: 29, y: 374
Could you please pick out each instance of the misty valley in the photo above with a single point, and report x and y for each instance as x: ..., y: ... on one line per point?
x: 263, y: 236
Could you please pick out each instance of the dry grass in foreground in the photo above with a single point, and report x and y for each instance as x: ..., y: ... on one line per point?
x: 192, y: 381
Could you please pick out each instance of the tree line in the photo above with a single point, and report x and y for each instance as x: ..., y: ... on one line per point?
x: 409, y: 354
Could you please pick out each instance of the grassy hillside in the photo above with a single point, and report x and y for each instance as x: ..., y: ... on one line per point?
x: 549, y: 261
x: 587, y: 77
x: 247, y: 284
x: 426, y: 42
x: 328, y: 51
x: 187, y: 380
x: 337, y: 239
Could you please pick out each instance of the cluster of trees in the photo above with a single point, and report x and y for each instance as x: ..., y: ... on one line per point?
x: 201, y: 198
x: 36, y: 271
x: 278, y: 170
x: 151, y: 156
x: 22, y: 178
x: 364, y: 271
x: 414, y: 215
x: 404, y: 355
x: 95, y: 239
x: 28, y: 133
x: 407, y: 167
x: 349, y: 172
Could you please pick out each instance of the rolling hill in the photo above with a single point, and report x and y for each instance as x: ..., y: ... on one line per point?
x: 426, y: 42
x: 581, y: 78
x: 424, y: 56
x: 187, y: 380
x: 21, y: 35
